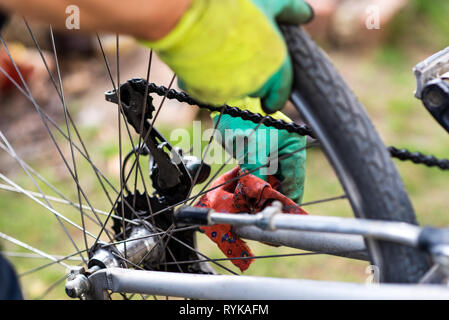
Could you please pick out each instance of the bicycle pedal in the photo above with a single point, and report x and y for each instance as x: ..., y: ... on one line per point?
x: 432, y: 77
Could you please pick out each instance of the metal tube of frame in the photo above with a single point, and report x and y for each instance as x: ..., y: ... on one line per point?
x: 398, y: 232
x: 222, y: 287
x: 272, y: 219
x: 349, y: 246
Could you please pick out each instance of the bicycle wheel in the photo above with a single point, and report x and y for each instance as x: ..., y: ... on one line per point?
x: 356, y: 151
x: 356, y: 154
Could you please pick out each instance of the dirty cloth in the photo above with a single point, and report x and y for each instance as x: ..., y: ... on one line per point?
x: 247, y: 194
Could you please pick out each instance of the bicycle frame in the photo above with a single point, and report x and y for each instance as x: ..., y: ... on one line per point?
x: 223, y: 287
x: 200, y: 286
x: 338, y: 236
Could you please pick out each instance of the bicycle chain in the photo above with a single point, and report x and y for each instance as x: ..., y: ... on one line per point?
x: 303, y: 130
x: 418, y: 158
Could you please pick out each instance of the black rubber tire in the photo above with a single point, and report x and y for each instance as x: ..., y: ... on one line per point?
x: 356, y: 152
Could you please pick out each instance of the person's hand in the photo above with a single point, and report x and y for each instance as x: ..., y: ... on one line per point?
x: 228, y: 49
x: 266, y: 143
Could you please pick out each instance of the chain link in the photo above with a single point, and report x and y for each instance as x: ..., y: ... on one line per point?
x: 303, y: 130
x: 419, y: 158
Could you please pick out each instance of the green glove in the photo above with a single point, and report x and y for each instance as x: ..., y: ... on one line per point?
x: 263, y: 143
x: 228, y: 49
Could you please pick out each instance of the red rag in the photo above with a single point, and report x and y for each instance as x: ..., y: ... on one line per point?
x: 248, y: 194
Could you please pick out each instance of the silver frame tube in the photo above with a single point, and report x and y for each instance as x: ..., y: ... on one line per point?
x: 223, y: 287
x: 271, y: 218
x: 348, y: 246
x: 398, y: 232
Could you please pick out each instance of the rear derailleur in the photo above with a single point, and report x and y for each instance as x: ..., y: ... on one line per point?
x: 142, y: 222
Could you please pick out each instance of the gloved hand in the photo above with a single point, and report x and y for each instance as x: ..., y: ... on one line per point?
x: 228, y: 49
x: 264, y: 143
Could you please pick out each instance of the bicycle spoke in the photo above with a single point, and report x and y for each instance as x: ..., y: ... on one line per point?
x: 134, y: 163
x: 64, y: 201
x: 324, y: 200
x: 28, y: 247
x: 314, y: 144
x: 45, y: 115
x: 42, y: 113
x: 205, y: 152
x: 287, y: 255
x: 137, y: 154
x: 46, y: 124
x: 53, y: 81
x: 15, y: 156
x: 227, y: 182
x: 86, y: 155
x: 36, y: 256
x: 68, y: 257
x: 119, y: 110
x: 51, y: 121
x: 4, y: 178
x: 201, y: 254
x: 121, y: 114
x: 64, y: 105
x: 150, y: 236
x: 166, y: 234
x: 115, y: 254
x: 142, y: 122
x: 229, y: 160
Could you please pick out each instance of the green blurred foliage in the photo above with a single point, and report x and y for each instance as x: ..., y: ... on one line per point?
x: 421, y: 23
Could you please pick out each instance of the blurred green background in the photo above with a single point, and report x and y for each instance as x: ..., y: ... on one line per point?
x: 380, y: 72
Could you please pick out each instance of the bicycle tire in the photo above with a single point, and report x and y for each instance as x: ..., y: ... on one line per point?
x: 357, y: 153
